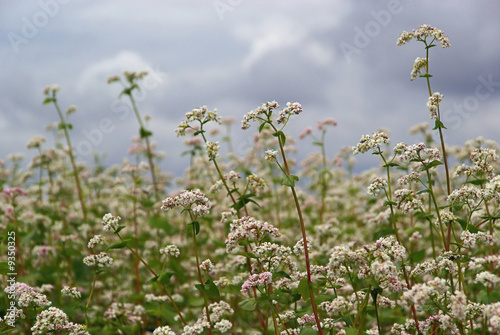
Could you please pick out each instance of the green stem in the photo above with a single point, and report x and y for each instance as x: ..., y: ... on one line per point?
x: 304, y: 239
x: 201, y: 280
x: 148, y: 147
x: 71, y: 157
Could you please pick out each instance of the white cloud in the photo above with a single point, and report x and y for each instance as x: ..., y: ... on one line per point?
x: 96, y: 74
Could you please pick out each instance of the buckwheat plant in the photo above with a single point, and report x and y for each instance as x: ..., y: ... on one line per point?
x: 441, y: 293
x: 324, y: 174
x: 131, y: 84
x: 264, y: 116
x: 51, y: 97
x: 197, y: 206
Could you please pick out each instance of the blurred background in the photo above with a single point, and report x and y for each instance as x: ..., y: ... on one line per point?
x: 339, y: 59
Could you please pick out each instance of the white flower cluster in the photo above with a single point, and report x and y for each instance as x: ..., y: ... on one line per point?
x: 371, y: 142
x: 54, y: 320
x: 97, y: 239
x: 212, y: 149
x: 207, y: 265
x: 101, y: 261
x: 170, y: 250
x: 201, y: 115
x: 256, y: 114
x: 421, y: 33
x: 248, y: 228
x: 271, y: 155
x: 164, y: 330
x: 417, y: 67
x: 193, y: 200
x: 433, y: 104
x: 26, y: 295
x: 470, y: 239
x: 292, y: 108
x: 110, y: 222
x: 71, y: 292
x: 376, y: 186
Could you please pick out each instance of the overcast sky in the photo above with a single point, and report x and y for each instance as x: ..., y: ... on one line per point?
x: 337, y: 58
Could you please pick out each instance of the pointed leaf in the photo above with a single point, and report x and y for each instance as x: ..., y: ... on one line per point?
x: 164, y: 278
x: 303, y: 289
x: 248, y: 304
x: 119, y: 245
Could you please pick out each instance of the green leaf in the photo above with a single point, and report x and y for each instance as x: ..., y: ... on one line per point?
x: 387, y: 203
x: 248, y: 255
x: 196, y: 226
x: 280, y: 274
x: 424, y: 191
x: 119, y: 245
x: 390, y: 165
x: 281, y: 137
x: 351, y: 331
x: 164, y: 278
x: 4, y: 268
x: 303, y: 289
x: 8, y: 331
x: 262, y: 125
x: 47, y: 101
x: 478, y: 181
x: 289, y: 180
x: 431, y: 165
x: 308, y: 331
x: 144, y: 133
x: 209, y: 289
x: 119, y: 229
x: 438, y: 124
x: 417, y: 256
x: 320, y: 144
x: 248, y: 304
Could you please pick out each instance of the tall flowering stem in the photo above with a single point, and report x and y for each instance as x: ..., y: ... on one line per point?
x: 428, y: 35
x: 263, y: 114
x: 132, y: 78
x: 50, y: 93
x: 111, y: 223
x: 197, y: 205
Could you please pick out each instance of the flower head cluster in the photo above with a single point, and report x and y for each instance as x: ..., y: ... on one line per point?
x: 36, y: 142
x: 422, y: 33
x: 271, y: 155
x: 407, y: 200
x: 290, y: 109
x: 433, y: 104
x: 336, y: 306
x: 201, y: 115
x: 371, y: 142
x: 376, y: 186
x: 71, y: 292
x: 326, y: 122
x: 417, y: 67
x: 55, y: 321
x: 97, y: 239
x: 248, y: 228
x: 259, y: 279
x: 257, y: 113
x: 416, y: 152
x: 467, y: 194
x: 110, y: 222
x: 470, y: 239
x: 170, y: 250
x: 164, y: 330
x: 256, y: 183
x: 193, y: 200
x: 26, y: 295
x: 130, y: 312
x: 51, y: 89
x: 101, y: 261
x: 212, y: 149
x: 207, y: 265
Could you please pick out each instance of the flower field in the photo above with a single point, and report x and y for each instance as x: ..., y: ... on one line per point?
x: 259, y: 243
